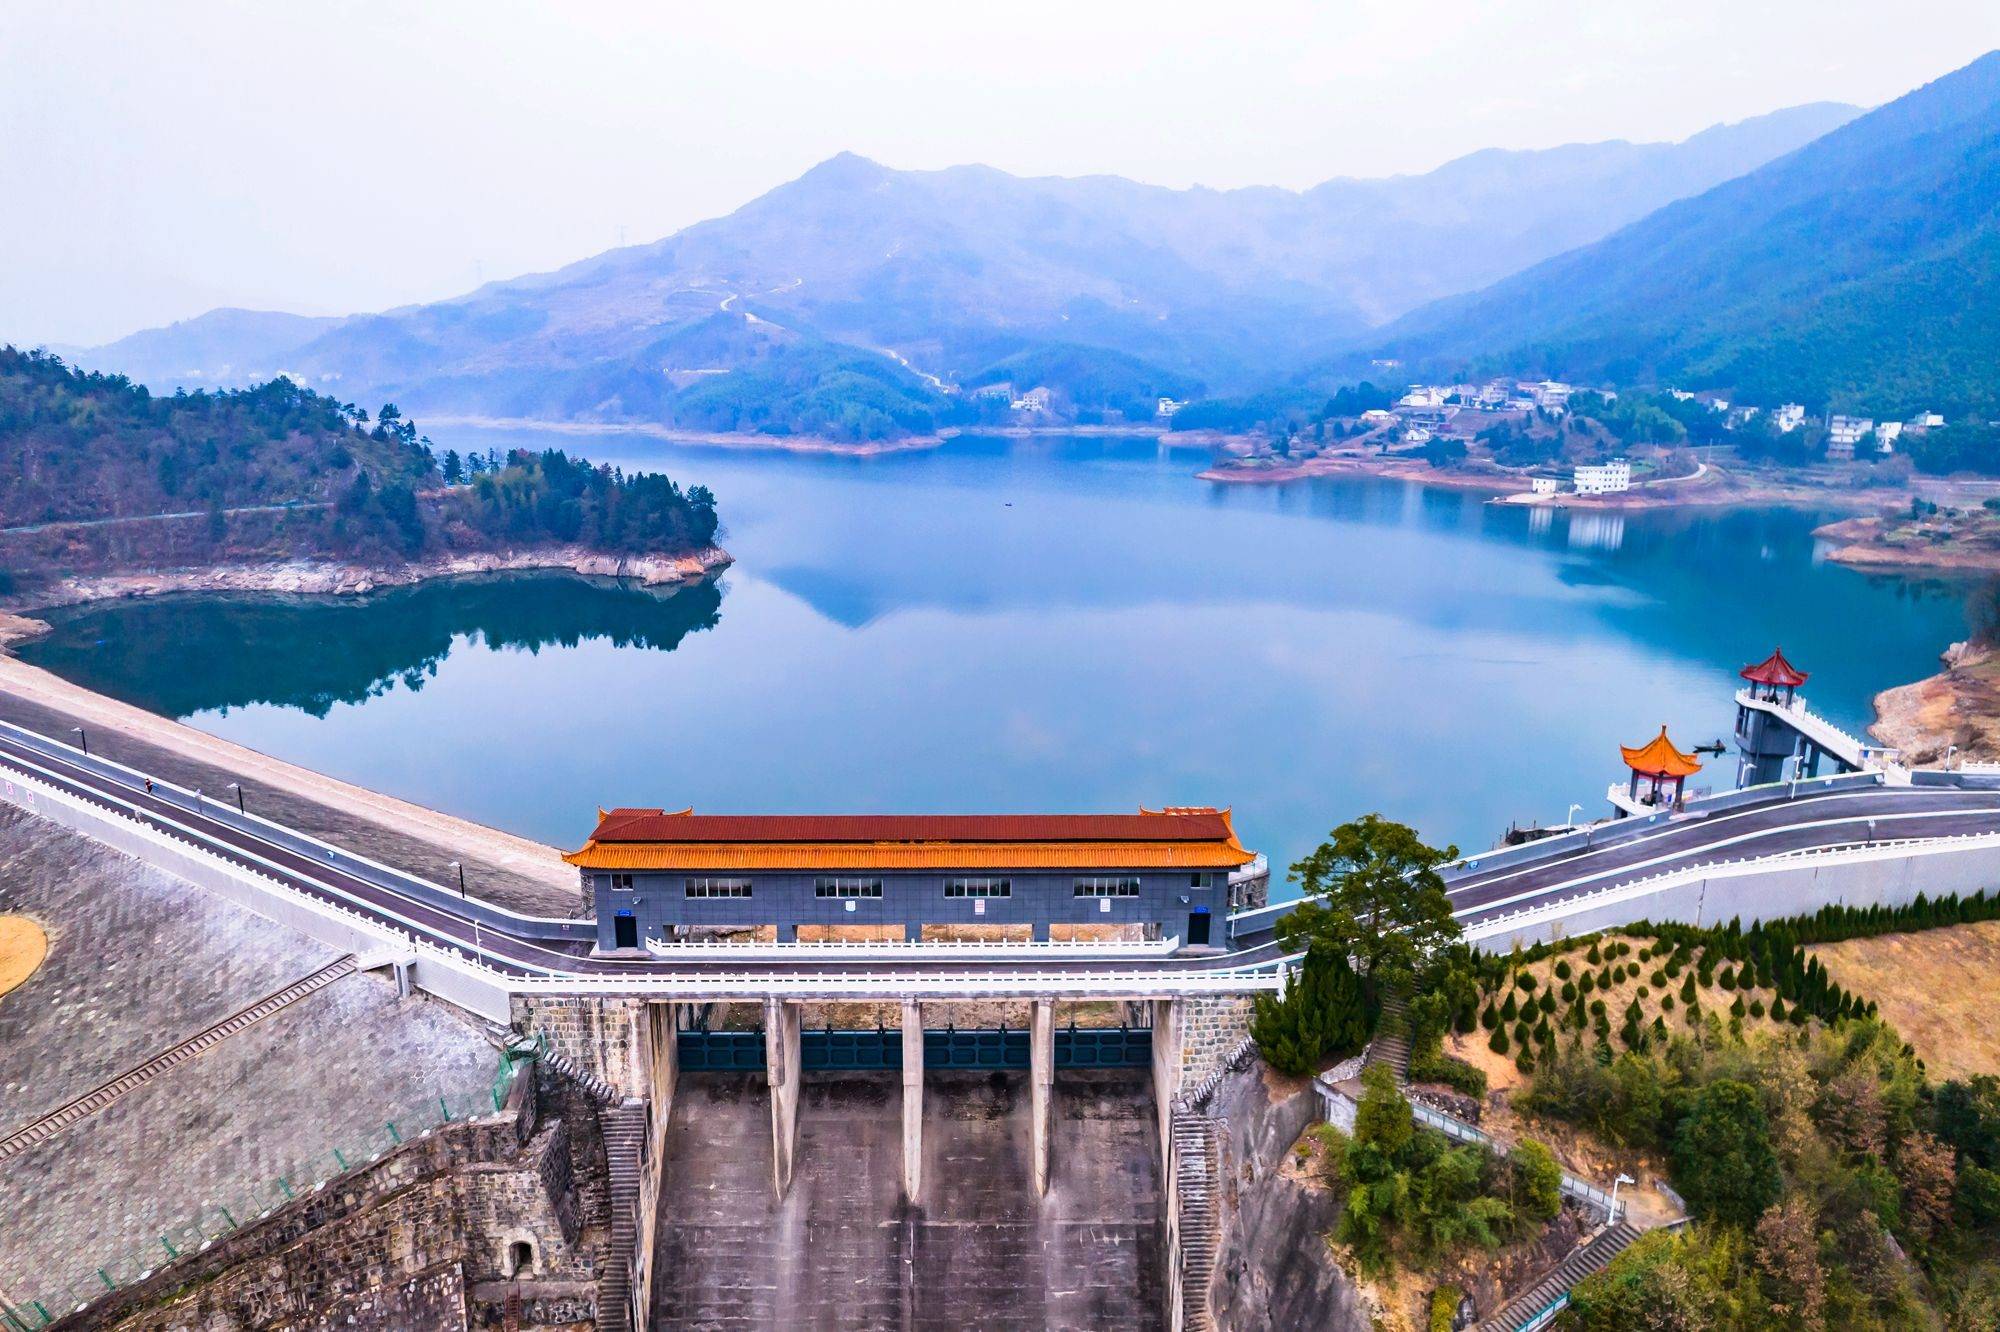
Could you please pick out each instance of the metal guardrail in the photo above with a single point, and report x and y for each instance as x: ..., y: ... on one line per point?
x: 362, y: 867
x: 392, y: 928
x: 1653, y: 883
x: 1453, y: 1127
x: 1603, y: 835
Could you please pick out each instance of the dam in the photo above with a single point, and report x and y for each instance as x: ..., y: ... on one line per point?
x: 914, y: 1128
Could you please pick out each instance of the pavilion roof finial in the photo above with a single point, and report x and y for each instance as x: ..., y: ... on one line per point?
x: 1774, y: 670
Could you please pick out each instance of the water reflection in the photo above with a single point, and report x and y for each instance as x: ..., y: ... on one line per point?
x: 1046, y: 624
x: 185, y: 655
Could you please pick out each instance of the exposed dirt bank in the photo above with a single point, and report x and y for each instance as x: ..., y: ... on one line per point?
x: 1880, y: 543
x: 1959, y: 706
x: 1712, y: 486
x: 23, y: 946
x: 1392, y: 469
x: 344, y: 578
x: 1935, y: 988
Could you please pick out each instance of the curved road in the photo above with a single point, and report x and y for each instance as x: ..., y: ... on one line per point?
x: 534, y: 947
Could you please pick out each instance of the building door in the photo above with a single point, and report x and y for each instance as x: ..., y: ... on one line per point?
x: 624, y: 930
x: 1197, y: 934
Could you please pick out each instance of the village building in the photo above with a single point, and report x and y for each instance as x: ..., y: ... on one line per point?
x: 1608, y: 478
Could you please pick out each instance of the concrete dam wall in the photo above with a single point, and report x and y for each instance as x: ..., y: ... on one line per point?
x: 844, y: 1250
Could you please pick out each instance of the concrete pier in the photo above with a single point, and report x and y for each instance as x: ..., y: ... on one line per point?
x: 913, y: 1102
x: 1041, y: 1086
x: 782, y: 1074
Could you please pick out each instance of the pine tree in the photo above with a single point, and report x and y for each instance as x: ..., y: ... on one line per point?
x: 1323, y: 1015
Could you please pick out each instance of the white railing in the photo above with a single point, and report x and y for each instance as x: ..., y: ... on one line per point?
x: 913, y: 950
x: 459, y: 959
x: 1652, y: 883
x: 1807, y: 722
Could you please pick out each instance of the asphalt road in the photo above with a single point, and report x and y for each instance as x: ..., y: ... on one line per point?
x: 528, y: 947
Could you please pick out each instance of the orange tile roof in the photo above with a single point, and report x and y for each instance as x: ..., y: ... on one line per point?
x: 649, y: 839
x: 1659, y: 758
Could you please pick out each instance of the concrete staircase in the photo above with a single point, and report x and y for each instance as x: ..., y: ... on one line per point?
x: 1197, y: 1168
x: 1530, y: 1308
x: 1391, y: 1045
x: 624, y: 1150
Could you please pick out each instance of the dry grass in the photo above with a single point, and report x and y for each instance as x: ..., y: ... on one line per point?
x: 23, y: 945
x: 1935, y: 987
x: 1500, y: 1070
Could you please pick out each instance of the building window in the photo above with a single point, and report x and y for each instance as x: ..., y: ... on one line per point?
x: 1104, y: 887
x: 978, y: 887
x: 622, y: 881
x: 1201, y: 880
x: 718, y: 887
x: 847, y: 888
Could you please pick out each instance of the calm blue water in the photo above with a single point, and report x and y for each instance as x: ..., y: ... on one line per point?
x: 1072, y: 624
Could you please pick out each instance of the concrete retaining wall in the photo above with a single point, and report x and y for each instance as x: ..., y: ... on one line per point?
x: 467, y: 987
x: 1763, y: 890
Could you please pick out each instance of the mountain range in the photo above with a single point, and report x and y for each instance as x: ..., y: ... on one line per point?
x: 1860, y: 272
x: 844, y: 302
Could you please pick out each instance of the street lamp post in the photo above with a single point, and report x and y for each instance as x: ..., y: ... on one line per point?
x: 82, y: 740
x: 1622, y: 1179
x: 238, y: 788
x: 1569, y: 816
x: 477, y: 945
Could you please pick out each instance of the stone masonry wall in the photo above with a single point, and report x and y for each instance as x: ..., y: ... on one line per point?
x: 600, y: 1036
x: 424, y: 1237
x: 1211, y: 1030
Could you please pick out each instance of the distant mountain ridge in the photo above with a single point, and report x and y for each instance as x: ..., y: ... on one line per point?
x: 1860, y: 272
x: 837, y: 303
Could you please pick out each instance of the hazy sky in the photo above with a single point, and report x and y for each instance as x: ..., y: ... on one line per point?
x: 160, y: 158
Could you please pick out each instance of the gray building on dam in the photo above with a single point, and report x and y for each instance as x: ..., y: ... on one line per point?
x: 654, y: 875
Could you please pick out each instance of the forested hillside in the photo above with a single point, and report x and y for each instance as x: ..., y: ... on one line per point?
x: 849, y: 303
x: 1859, y: 273
x: 96, y: 473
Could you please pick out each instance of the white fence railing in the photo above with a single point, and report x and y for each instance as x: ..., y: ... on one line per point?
x: 455, y: 971
x: 1489, y: 926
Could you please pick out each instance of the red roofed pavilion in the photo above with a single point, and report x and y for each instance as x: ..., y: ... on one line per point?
x: 1774, y: 673
x: 1660, y: 761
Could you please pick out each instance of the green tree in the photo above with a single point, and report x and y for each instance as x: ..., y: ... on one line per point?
x: 1723, y: 1162
x: 1322, y: 1015
x: 1373, y: 892
x: 1537, y: 1180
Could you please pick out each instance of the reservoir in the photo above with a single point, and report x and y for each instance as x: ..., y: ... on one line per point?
x: 1042, y: 624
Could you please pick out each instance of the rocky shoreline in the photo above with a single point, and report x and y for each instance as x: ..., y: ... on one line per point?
x: 1956, y: 711
x: 309, y: 577
x: 1859, y: 543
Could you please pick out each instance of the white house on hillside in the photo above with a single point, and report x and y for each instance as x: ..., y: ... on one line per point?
x: 1789, y: 418
x: 1604, y: 478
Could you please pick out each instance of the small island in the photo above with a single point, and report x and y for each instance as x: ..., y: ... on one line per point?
x: 1925, y: 535
x: 107, y: 490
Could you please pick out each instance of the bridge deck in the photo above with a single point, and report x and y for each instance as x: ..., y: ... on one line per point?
x: 532, y: 954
